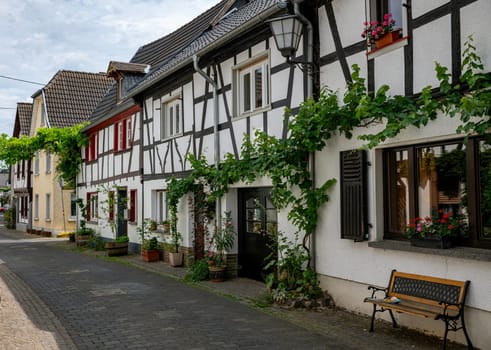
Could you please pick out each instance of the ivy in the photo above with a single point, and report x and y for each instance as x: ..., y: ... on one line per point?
x: 64, y: 142
x: 285, y: 161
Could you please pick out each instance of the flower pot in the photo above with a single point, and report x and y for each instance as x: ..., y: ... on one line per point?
x: 150, y: 255
x: 216, y: 273
x: 175, y: 259
x: 435, y: 242
x: 116, y: 249
x: 387, y: 39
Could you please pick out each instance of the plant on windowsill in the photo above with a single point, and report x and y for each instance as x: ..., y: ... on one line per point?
x: 438, y: 231
x: 381, y: 34
x: 150, y: 249
x: 84, y: 233
x: 222, y: 240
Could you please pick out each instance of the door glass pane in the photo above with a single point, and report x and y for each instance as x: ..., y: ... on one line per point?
x: 398, y: 196
x: 485, y: 188
x: 441, y: 180
x: 258, y: 86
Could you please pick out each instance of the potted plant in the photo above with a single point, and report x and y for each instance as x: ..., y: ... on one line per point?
x: 222, y: 240
x: 118, y: 247
x: 380, y: 34
x: 166, y: 226
x: 175, y: 256
x: 151, y: 250
x: 153, y: 225
x: 438, y: 231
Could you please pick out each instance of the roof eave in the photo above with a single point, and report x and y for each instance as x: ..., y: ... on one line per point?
x: 235, y: 32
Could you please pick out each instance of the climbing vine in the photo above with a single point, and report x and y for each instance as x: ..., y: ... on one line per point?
x: 64, y: 142
x: 285, y: 161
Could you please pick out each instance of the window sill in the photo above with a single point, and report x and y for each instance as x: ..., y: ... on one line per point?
x: 386, y: 49
x: 47, y: 220
x: 456, y: 252
x: 252, y: 113
x: 134, y: 223
x: 171, y: 137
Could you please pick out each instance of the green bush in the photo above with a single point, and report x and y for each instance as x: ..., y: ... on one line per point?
x: 9, y: 217
x: 198, y: 271
x: 95, y: 242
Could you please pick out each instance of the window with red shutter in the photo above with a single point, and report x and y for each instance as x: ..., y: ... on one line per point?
x: 132, y: 217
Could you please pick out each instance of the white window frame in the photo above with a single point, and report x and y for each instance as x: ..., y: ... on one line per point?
x: 36, y: 163
x: 73, y: 201
x: 172, y: 121
x: 128, y: 133
x: 240, y: 74
x: 48, y: 162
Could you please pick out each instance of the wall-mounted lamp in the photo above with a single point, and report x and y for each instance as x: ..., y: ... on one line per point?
x: 287, y: 31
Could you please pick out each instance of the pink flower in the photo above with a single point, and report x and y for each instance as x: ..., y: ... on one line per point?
x: 374, y: 32
x: 379, y: 29
x: 392, y: 21
x: 365, y: 23
x: 386, y: 16
x: 363, y: 34
x: 418, y: 228
x: 385, y: 23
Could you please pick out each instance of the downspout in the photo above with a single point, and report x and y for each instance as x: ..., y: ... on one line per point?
x: 310, y: 84
x: 218, y: 207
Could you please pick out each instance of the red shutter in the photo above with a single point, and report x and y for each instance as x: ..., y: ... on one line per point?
x: 124, y: 134
x: 132, y: 217
x: 116, y: 133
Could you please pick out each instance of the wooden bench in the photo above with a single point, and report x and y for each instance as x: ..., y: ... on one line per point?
x: 425, y: 296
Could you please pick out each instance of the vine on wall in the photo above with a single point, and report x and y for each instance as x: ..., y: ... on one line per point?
x: 285, y: 161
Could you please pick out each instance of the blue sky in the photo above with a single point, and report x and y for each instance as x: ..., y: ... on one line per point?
x: 41, y: 37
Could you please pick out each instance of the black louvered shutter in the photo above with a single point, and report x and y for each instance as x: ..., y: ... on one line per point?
x: 354, y: 220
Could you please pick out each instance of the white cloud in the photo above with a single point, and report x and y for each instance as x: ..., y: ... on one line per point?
x: 40, y: 37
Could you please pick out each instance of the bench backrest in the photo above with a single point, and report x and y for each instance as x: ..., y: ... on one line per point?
x: 426, y: 289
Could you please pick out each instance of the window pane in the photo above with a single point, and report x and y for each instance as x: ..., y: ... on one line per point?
x: 258, y: 85
x: 485, y: 187
x: 177, y: 119
x: 170, y: 119
x: 246, y: 92
x: 398, y: 196
x: 441, y: 179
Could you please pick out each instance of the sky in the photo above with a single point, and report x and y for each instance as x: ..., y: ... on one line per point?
x: 41, y: 37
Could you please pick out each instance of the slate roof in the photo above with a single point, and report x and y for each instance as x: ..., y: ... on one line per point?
x: 72, y: 96
x: 23, y: 119
x: 228, y: 25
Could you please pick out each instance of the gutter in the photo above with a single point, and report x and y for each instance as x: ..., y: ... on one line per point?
x: 218, y: 208
x: 260, y: 18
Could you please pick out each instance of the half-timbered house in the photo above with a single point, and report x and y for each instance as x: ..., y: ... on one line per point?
x: 206, y: 97
x: 67, y: 100
x: 21, y: 171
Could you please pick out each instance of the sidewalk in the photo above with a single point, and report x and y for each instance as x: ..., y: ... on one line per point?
x: 331, y: 323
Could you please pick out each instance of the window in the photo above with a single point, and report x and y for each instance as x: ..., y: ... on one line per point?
x: 159, y: 206
x: 122, y: 135
x: 91, y: 149
x: 132, y: 217
x: 48, y: 206
x: 453, y: 176
x: 73, y: 205
x: 36, y: 207
x: 251, y: 87
x: 36, y: 163
x: 48, y: 162
x: 92, y: 206
x: 171, y: 118
x: 380, y: 7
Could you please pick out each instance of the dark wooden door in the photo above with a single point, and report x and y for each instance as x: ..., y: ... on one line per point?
x: 122, y: 218
x: 257, y: 220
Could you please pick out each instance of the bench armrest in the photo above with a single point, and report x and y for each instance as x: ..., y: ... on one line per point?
x: 445, y: 308
x: 376, y: 289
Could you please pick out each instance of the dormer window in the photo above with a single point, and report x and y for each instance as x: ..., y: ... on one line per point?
x: 118, y: 71
x: 119, y: 89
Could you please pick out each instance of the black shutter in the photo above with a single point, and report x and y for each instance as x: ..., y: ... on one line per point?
x: 354, y: 218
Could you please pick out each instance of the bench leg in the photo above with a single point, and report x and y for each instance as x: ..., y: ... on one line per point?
x: 445, y: 335
x: 394, y: 323
x: 467, y: 338
x: 373, y: 317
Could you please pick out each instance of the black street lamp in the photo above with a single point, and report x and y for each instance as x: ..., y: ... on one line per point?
x: 287, y: 31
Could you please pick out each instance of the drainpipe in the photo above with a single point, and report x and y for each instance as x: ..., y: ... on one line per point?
x: 310, y: 84
x: 218, y: 207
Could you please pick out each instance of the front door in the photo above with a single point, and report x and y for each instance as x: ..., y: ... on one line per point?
x: 257, y: 220
x: 122, y: 219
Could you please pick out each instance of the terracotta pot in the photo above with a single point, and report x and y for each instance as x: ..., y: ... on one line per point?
x: 387, y: 39
x: 150, y: 255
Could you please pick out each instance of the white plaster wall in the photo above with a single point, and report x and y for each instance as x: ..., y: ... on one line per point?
x: 420, y: 7
x: 326, y: 40
x: 275, y: 122
x: 279, y: 89
x: 345, y: 12
x: 389, y: 69
x: 432, y: 45
x: 475, y: 21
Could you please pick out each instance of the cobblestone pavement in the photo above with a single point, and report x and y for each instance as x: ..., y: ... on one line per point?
x: 56, y: 298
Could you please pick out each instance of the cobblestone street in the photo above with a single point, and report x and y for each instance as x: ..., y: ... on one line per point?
x: 57, y: 298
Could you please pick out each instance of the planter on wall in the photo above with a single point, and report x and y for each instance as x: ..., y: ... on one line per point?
x: 388, y: 39
x: 435, y: 242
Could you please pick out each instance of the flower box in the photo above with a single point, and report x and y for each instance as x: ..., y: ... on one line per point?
x: 388, y: 39
x: 434, y: 242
